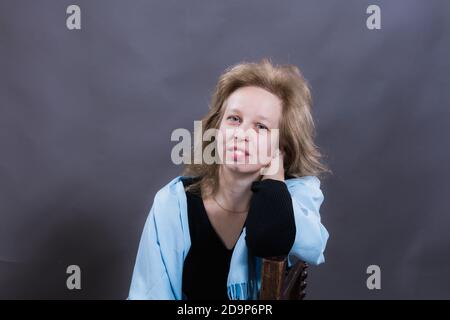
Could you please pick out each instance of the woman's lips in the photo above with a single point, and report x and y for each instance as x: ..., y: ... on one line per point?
x: 240, y: 152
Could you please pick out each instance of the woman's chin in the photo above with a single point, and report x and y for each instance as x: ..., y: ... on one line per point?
x: 242, y: 167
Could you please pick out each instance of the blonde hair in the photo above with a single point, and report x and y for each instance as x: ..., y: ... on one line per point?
x: 297, y: 130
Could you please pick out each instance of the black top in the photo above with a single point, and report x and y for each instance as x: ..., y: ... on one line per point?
x: 270, y: 231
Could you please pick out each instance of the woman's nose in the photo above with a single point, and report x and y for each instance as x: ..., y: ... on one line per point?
x: 240, y: 134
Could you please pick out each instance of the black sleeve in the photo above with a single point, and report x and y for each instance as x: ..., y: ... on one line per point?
x: 270, y: 224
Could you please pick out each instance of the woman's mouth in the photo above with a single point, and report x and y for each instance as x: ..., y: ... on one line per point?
x: 237, y: 153
x: 240, y: 152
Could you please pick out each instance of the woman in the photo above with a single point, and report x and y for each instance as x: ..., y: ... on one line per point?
x: 208, y: 229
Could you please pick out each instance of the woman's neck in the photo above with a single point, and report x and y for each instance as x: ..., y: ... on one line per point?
x: 234, y: 190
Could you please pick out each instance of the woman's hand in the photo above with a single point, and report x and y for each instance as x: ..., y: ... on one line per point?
x: 275, y: 169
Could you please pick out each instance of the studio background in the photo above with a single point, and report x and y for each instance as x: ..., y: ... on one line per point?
x: 86, y: 117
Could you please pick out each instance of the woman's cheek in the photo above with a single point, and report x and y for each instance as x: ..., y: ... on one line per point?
x: 263, y: 152
x: 227, y: 143
x: 222, y: 144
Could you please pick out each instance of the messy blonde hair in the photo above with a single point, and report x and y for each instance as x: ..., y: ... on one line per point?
x: 297, y: 130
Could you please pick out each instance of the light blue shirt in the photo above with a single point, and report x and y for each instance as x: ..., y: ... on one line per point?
x: 165, y: 243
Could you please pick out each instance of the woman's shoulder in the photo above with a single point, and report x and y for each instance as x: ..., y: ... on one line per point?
x: 167, y: 201
x: 306, y: 190
x: 175, y: 187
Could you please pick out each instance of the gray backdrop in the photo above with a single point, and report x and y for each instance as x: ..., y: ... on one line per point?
x: 86, y: 117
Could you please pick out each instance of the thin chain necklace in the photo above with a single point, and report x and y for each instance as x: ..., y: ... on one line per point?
x: 214, y: 198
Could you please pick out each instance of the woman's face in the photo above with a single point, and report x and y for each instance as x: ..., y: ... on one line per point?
x: 249, y: 129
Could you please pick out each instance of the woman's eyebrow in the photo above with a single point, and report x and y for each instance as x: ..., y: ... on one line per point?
x: 263, y: 117
x: 235, y: 110
x: 259, y: 117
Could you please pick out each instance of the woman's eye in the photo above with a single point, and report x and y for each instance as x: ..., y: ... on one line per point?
x: 261, y: 126
x: 233, y: 118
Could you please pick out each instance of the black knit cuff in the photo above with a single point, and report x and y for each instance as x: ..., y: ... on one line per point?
x: 270, y: 222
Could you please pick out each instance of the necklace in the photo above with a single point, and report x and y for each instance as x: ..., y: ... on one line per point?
x: 214, y: 198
